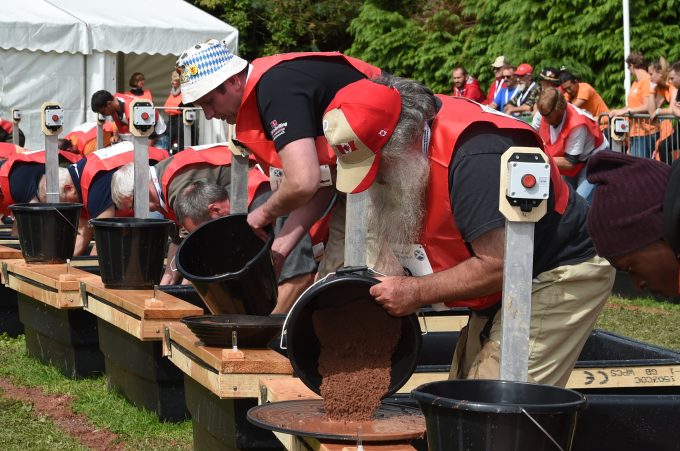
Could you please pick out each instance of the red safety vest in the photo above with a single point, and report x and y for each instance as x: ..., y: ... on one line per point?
x: 84, y: 133
x: 441, y: 238
x: 215, y: 155
x: 145, y: 95
x: 574, y: 119
x: 249, y: 129
x: 7, y: 126
x: 172, y: 103
x: 29, y: 156
x: 7, y: 149
x: 110, y: 158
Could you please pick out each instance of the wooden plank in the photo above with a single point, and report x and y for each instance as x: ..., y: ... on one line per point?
x: 52, y: 275
x: 134, y: 301
x: 56, y: 299
x: 7, y: 252
x: 443, y: 323
x: 224, y: 385
x: 255, y: 361
x: 316, y: 445
x: 284, y: 389
x: 600, y: 377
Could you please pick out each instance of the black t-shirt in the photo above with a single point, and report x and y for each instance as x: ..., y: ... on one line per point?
x: 99, y: 195
x: 292, y: 96
x: 23, y: 180
x: 474, y: 182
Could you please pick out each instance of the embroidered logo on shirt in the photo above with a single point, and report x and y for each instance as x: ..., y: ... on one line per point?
x: 277, y: 129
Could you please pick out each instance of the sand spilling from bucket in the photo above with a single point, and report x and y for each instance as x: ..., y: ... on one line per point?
x: 357, y: 341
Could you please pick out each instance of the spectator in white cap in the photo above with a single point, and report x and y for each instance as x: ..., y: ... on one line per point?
x: 276, y: 103
x: 497, y: 67
x: 432, y: 173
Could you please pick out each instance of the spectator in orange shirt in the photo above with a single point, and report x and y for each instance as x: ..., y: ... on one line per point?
x: 466, y: 86
x: 643, y: 134
x: 665, y: 82
x: 582, y: 94
x: 137, y: 87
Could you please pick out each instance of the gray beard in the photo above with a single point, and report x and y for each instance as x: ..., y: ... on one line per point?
x: 175, y: 92
x: 398, y: 198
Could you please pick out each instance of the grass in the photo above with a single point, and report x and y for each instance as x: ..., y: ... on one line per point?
x: 643, y: 319
x: 105, y: 409
x: 21, y: 428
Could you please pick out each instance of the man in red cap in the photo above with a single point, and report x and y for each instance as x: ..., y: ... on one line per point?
x: 276, y: 104
x: 634, y: 218
x: 524, y: 101
x: 434, y: 175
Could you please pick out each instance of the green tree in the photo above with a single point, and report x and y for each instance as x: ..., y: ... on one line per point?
x: 277, y: 26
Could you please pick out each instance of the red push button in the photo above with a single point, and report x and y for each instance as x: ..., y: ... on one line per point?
x: 55, y: 117
x: 145, y: 115
x: 528, y: 181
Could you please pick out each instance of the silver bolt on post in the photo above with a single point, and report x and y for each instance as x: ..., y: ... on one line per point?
x: 155, y: 288
x: 234, y: 341
x: 68, y: 265
x: 360, y: 445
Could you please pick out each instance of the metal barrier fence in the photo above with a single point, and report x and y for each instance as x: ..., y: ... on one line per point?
x: 642, y: 136
x: 179, y: 134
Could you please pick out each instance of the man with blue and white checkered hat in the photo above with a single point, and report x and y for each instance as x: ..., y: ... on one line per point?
x: 277, y: 103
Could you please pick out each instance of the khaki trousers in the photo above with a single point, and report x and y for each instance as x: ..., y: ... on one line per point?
x: 565, y: 303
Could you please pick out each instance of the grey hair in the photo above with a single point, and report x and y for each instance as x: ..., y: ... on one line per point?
x: 418, y: 106
x: 64, y: 178
x: 123, y: 184
x: 193, y: 202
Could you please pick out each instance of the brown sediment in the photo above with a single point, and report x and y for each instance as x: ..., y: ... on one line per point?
x: 356, y: 341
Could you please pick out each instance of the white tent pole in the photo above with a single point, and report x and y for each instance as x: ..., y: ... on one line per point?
x: 626, y: 45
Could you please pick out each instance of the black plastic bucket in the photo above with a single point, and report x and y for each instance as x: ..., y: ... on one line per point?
x: 337, y: 289
x: 47, y: 232
x: 131, y: 251
x: 230, y: 267
x: 490, y: 415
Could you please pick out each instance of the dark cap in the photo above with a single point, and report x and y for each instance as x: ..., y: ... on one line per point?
x: 626, y: 212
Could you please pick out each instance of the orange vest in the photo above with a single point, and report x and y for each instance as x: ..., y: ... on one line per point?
x: 573, y: 119
x: 441, y: 238
x: 213, y: 155
x: 249, y: 126
x: 31, y: 156
x: 85, y: 133
x: 112, y: 158
x: 171, y: 104
x: 145, y: 95
x: 7, y: 149
x: 7, y: 126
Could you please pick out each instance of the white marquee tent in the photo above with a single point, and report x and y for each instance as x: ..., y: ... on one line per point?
x: 65, y: 50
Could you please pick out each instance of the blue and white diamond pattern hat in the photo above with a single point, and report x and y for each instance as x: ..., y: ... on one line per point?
x: 205, y: 66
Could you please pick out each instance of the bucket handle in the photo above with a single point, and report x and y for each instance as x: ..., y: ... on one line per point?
x: 283, y: 343
x: 542, y: 429
x: 66, y: 219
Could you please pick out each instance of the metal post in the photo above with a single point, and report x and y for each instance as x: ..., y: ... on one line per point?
x: 141, y: 176
x: 238, y: 191
x: 100, y: 131
x: 626, y: 44
x: 52, y: 121
x: 16, y: 118
x: 51, y: 169
x: 188, y: 119
x: 516, y: 313
x: 356, y: 226
x: 524, y: 190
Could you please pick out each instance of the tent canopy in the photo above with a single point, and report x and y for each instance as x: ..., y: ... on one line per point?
x: 128, y: 26
x: 65, y: 50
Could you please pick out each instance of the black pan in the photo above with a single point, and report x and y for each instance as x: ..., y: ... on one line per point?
x: 252, y: 331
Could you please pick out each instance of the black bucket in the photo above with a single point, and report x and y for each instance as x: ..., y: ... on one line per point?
x: 490, y: 415
x: 337, y: 289
x: 230, y: 267
x: 47, y: 232
x: 131, y: 251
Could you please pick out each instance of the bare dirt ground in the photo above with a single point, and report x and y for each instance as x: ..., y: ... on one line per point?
x: 639, y: 308
x: 58, y: 409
